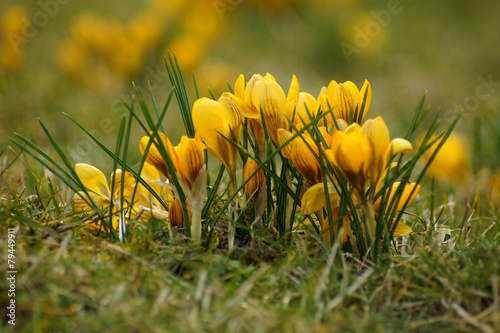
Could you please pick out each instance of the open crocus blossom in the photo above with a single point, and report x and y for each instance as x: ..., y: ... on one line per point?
x: 344, y: 98
x: 216, y: 122
x: 314, y: 199
x: 98, y: 190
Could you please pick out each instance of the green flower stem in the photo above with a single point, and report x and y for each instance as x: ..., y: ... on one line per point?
x: 367, y: 208
x: 232, y: 212
x: 196, y: 209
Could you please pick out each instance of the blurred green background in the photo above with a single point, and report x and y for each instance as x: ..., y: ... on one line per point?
x: 82, y: 57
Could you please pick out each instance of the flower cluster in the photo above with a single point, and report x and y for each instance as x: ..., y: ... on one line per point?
x: 330, y: 156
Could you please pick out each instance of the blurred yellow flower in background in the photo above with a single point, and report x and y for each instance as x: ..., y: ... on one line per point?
x: 12, y: 38
x: 452, y: 162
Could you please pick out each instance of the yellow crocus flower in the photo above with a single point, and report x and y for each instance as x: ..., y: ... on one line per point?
x: 452, y: 162
x: 188, y: 159
x: 351, y: 152
x: 314, y: 199
x: 189, y: 162
x: 305, y: 160
x: 269, y: 97
x: 343, y: 98
x: 263, y: 93
x: 215, y: 120
x: 154, y: 157
x: 299, y: 152
x: 98, y: 190
x: 382, y: 148
x: 254, y: 186
x: 97, y: 185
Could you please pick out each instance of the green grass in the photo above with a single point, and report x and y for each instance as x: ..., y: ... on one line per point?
x: 70, y: 280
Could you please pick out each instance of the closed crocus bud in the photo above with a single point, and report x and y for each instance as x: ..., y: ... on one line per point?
x: 175, y: 215
x: 256, y: 183
x: 190, y: 159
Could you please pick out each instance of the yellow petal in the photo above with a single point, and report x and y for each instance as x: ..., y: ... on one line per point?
x: 314, y: 198
x: 326, y: 227
x: 346, y: 98
x: 283, y: 137
x: 239, y: 87
x: 154, y: 157
x: 293, y: 91
x: 376, y: 131
x: 402, y: 229
x: 257, y: 130
x: 190, y: 160
x: 400, y: 146
x: 351, y: 153
x: 128, y: 183
x: 256, y: 182
x: 366, y: 89
x: 248, y: 96
x: 331, y: 89
x: 81, y: 204
x: 231, y: 117
x: 452, y: 161
x: 327, y: 107
x: 176, y: 218
x: 326, y: 136
x: 207, y: 119
x: 93, y: 179
x: 353, y: 128
x: 269, y: 97
x: 305, y: 161
x: 306, y: 105
x: 409, y: 189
